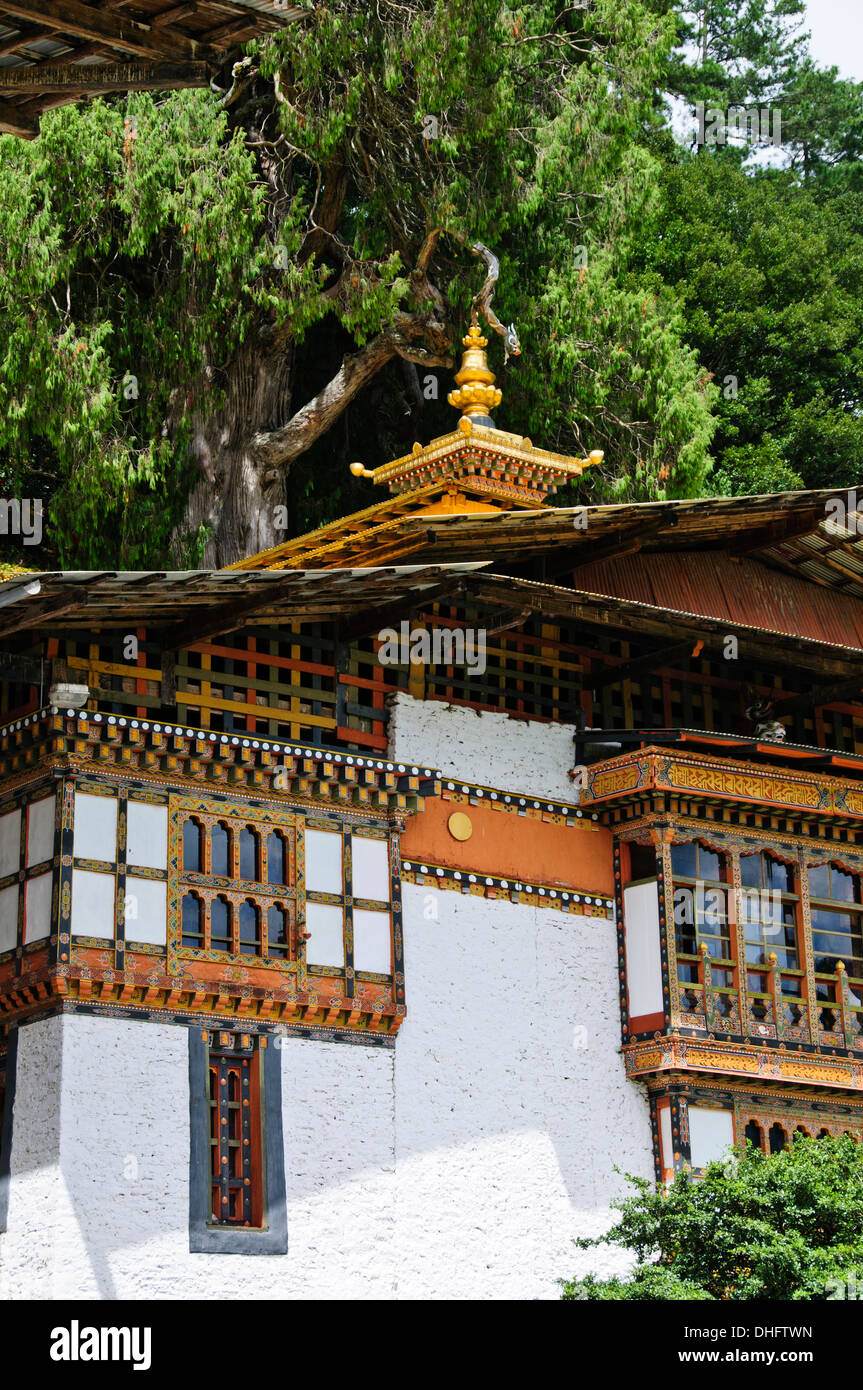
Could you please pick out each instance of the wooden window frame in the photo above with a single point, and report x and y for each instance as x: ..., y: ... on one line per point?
x: 260, y: 1226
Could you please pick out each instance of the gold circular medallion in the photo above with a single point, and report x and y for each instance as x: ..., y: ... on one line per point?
x: 460, y: 826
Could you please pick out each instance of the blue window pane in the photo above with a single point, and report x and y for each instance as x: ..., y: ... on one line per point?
x: 220, y: 848
x: 220, y: 925
x: 248, y: 854
x: 276, y: 859
x: 192, y: 846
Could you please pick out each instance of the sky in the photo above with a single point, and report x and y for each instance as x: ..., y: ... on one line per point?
x: 837, y: 34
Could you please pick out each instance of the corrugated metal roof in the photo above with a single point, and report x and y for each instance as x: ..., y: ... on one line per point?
x: 718, y: 585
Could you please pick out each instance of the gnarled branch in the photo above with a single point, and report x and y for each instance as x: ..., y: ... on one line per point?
x: 420, y: 338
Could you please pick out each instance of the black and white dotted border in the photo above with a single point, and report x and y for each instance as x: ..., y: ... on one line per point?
x: 556, y: 897
x: 297, y: 750
x: 477, y: 794
x: 513, y: 801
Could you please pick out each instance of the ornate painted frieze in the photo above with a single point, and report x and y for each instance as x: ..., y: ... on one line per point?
x: 136, y: 924
x: 681, y: 773
x: 263, y: 766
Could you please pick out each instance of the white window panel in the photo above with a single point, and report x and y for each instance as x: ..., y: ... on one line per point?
x: 147, y: 836
x: 711, y: 1132
x: 40, y: 830
x: 93, y: 903
x: 95, y: 828
x: 665, y: 1136
x: 643, y: 949
x: 146, y: 910
x: 372, y: 941
x: 10, y: 843
x: 324, y: 862
x: 370, y: 869
x: 327, y: 944
x: 37, y: 906
x: 9, y: 918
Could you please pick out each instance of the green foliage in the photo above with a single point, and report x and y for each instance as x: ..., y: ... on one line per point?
x: 124, y: 258
x: 649, y: 1284
x: 735, y: 52
x: 784, y: 1226
x: 158, y: 275
x: 178, y: 256
x: 822, y: 127
x: 770, y: 277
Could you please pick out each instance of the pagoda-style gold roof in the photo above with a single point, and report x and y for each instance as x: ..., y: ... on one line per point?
x: 477, y: 468
x: 506, y: 467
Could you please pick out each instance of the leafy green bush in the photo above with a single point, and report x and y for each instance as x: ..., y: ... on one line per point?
x: 787, y: 1226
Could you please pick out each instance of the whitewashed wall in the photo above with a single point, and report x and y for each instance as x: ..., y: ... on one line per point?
x: 460, y: 1165
x: 487, y: 748
x: 103, y: 1212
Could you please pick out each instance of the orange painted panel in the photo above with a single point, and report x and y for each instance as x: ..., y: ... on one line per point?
x: 512, y: 846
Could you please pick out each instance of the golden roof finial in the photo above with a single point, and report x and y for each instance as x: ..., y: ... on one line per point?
x: 477, y: 393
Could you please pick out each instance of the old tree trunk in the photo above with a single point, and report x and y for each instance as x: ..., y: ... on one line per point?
x: 244, y: 447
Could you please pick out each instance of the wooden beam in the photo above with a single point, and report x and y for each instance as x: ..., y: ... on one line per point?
x: 614, y: 547
x: 766, y: 536
x: 224, y: 618
x: 832, y: 563
x: 390, y: 614
x: 32, y: 615
x: 265, y: 9
x: 11, y: 123
x: 822, y: 695
x: 640, y: 665
x: 23, y: 40
x: 117, y: 31
x: 104, y: 77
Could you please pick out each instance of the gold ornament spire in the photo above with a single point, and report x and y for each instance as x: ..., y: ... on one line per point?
x: 477, y: 393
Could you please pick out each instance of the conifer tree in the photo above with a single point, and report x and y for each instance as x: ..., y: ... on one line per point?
x: 203, y: 291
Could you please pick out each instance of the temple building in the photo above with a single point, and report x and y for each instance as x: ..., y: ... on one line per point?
x: 366, y: 907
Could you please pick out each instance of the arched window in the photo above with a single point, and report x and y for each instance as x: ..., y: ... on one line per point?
x: 769, y: 909
x: 192, y: 922
x: 777, y: 1138
x: 193, y: 843
x: 837, y: 920
x: 701, y: 878
x: 276, y: 858
x: 823, y: 1134
x: 802, y: 1132
x: 755, y: 1134
x: 768, y: 915
x: 250, y: 928
x: 277, y: 931
x: 220, y: 925
x: 250, y: 854
x: 220, y: 851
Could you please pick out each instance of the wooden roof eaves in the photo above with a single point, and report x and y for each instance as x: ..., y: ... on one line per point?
x: 717, y: 522
x: 184, y: 602
x: 350, y: 532
x: 156, y: 46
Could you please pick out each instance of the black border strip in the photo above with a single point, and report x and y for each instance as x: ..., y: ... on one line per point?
x: 8, y: 1110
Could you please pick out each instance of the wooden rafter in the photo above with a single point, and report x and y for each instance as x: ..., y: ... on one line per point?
x: 640, y: 665
x: 128, y: 35
x: 143, y: 44
x: 98, y: 77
